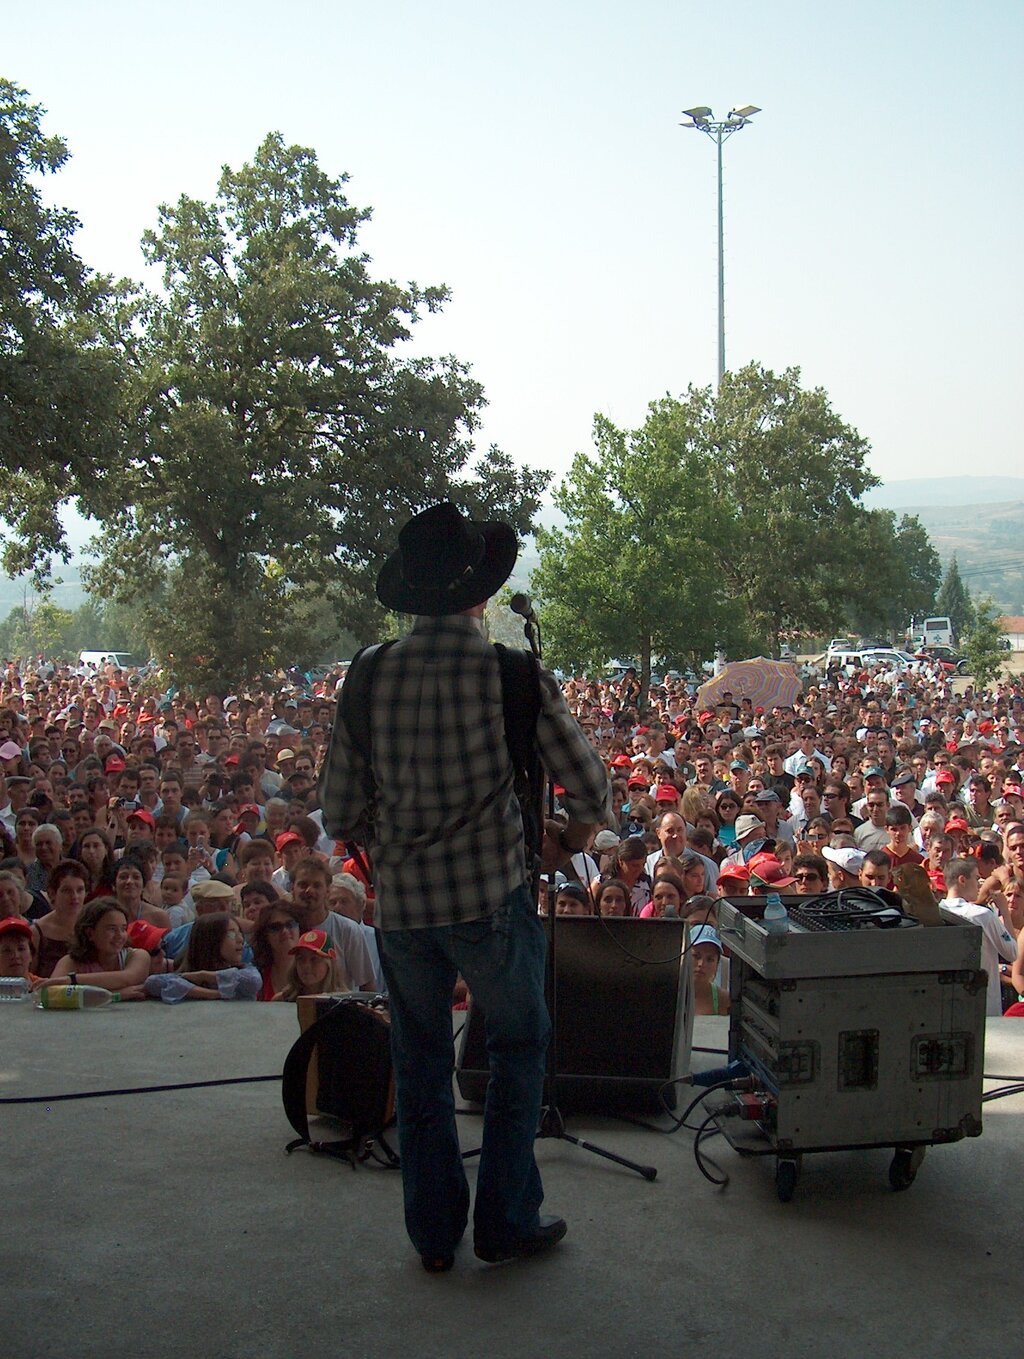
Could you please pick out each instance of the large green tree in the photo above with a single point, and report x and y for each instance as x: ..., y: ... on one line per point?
x: 793, y: 473
x: 278, y: 431
x: 986, y: 659
x: 954, y: 600
x: 631, y: 574
x: 58, y: 374
x: 729, y: 520
x: 901, y: 573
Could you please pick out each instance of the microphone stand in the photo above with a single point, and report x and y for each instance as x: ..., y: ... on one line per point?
x: 552, y: 1121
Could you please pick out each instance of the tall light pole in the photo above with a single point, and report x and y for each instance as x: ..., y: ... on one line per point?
x: 720, y: 131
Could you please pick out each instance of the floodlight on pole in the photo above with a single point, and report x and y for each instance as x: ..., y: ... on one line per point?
x: 720, y: 131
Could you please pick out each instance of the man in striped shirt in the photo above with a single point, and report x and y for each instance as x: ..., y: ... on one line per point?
x: 453, y: 886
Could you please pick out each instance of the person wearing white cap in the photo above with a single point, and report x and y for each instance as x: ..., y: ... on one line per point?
x: 844, y: 866
x: 709, y: 998
x: 750, y: 831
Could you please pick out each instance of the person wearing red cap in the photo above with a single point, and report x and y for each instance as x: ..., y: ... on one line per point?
x: 767, y: 875
x: 314, y: 970
x: 291, y: 850
x: 16, y: 945
x: 733, y: 880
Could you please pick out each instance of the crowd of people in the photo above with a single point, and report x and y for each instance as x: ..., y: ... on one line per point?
x: 174, y: 849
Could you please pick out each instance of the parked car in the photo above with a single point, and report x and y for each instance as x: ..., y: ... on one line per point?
x: 949, y: 659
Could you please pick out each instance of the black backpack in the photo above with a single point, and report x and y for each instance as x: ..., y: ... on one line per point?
x: 355, y: 1079
x: 520, y: 696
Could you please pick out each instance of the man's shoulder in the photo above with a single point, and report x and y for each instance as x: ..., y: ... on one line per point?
x: 341, y: 928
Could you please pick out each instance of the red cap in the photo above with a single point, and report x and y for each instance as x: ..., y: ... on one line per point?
x: 667, y: 792
x: 114, y: 764
x: 956, y: 823
x: 638, y: 781
x: 945, y: 776
x: 140, y: 814
x: 765, y: 868
x: 622, y: 762
x: 142, y: 934
x: 120, y: 711
x: 315, y: 941
x: 231, y: 759
x: 705, y: 716
x: 15, y: 924
x: 288, y: 838
x: 738, y: 872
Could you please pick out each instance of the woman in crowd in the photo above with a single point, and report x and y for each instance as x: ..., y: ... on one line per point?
x: 694, y: 804
x: 66, y: 889
x: 817, y: 834
x: 93, y: 850
x: 727, y: 809
x: 277, y: 929
x: 130, y: 879
x: 100, y: 954
x: 572, y: 898
x: 612, y: 897
x: 667, y: 896
x: 15, y: 898
x: 629, y: 864
x: 211, y: 966
x: 709, y: 998
x: 314, y: 970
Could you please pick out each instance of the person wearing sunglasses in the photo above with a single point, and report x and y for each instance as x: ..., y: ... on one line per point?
x: 872, y: 833
x: 277, y: 930
x: 811, y: 874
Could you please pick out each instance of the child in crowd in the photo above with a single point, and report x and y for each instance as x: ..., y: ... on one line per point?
x: 314, y: 970
x: 173, y: 899
x: 211, y: 967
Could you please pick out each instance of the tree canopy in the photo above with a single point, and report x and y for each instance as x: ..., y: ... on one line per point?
x: 58, y: 374
x: 727, y: 520
x: 982, y: 644
x: 954, y: 600
x: 629, y: 574
x: 278, y: 436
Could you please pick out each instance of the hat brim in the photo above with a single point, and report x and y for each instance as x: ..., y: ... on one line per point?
x: 501, y: 548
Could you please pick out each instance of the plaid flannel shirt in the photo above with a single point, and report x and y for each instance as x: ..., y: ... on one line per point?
x: 449, y: 836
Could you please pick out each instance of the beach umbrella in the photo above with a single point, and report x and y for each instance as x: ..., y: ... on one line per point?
x: 766, y: 683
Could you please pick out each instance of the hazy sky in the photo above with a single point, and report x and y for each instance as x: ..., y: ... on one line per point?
x: 530, y: 157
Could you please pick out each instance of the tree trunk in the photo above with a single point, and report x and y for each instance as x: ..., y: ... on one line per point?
x: 645, y: 673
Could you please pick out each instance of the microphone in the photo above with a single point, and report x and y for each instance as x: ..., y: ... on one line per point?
x: 520, y: 604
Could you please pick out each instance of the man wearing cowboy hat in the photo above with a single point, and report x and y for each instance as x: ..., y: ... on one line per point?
x: 452, y: 882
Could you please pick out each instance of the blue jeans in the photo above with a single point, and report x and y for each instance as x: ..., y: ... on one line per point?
x: 502, y: 960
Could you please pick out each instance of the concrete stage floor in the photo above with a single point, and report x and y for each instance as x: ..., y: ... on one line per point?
x: 173, y: 1224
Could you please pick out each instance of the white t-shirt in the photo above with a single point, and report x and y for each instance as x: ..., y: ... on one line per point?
x: 997, y: 943
x: 353, y: 955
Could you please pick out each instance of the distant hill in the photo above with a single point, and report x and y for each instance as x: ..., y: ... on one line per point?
x: 981, y: 519
x: 921, y: 492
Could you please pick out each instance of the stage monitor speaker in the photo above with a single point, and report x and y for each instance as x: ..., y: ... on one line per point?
x: 623, y: 991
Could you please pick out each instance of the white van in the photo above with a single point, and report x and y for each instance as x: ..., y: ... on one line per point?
x: 99, y: 660
x: 939, y: 632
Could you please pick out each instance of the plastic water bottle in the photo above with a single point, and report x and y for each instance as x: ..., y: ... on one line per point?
x: 75, y: 997
x: 776, y: 917
x: 14, y: 989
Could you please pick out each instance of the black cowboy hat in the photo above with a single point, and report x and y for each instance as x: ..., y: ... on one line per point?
x: 445, y: 563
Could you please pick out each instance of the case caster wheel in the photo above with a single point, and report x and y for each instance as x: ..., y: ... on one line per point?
x: 904, y: 1166
x: 786, y: 1175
